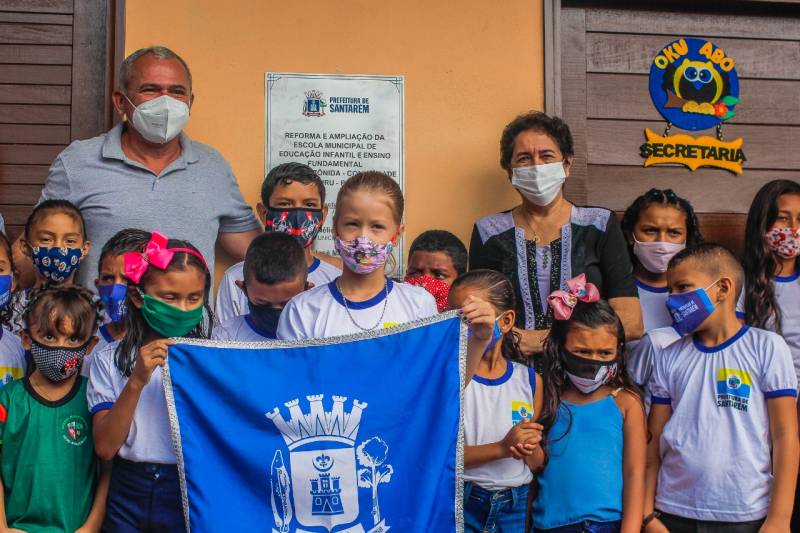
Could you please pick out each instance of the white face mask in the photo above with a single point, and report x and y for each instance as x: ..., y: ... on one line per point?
x: 589, y: 385
x: 161, y: 119
x: 539, y: 183
x: 655, y: 256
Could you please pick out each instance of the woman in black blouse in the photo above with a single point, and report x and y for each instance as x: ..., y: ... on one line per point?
x: 546, y: 240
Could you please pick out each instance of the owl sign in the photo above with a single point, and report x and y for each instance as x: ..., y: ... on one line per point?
x: 693, y: 84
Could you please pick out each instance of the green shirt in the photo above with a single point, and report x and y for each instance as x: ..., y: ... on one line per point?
x: 46, y: 458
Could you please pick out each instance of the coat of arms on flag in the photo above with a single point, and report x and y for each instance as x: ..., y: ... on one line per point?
x: 357, y: 434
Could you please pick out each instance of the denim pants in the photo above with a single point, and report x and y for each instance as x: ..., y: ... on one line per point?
x: 143, y: 497
x: 494, y: 511
x: 679, y: 524
x: 585, y: 527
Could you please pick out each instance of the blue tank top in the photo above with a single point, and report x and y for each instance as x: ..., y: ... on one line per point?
x: 583, y: 478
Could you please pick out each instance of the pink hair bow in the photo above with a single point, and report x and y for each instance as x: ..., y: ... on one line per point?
x: 563, y: 302
x: 155, y: 253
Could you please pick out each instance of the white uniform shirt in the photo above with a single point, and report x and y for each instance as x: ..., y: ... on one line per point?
x: 231, y: 300
x: 12, y: 356
x: 787, y: 297
x: 320, y: 312
x: 149, y: 439
x: 240, y: 328
x: 643, y: 353
x: 653, y: 301
x: 716, y: 448
x: 491, y: 408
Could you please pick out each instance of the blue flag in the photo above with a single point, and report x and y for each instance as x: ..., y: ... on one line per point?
x: 357, y: 434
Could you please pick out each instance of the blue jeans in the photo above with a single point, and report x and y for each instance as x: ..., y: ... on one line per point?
x: 143, y: 497
x: 585, y: 527
x: 494, y: 511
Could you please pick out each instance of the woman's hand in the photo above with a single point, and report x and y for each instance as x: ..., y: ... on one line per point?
x: 530, y: 340
x: 150, y: 356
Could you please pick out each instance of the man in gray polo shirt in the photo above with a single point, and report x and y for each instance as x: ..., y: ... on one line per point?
x: 146, y: 173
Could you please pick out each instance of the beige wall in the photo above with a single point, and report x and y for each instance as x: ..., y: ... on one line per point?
x: 469, y: 68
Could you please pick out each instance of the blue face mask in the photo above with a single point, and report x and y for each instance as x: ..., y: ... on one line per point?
x: 496, y: 336
x: 690, y: 309
x: 56, y: 264
x: 113, y: 298
x: 5, y: 290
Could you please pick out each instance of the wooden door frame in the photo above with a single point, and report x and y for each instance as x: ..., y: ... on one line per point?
x: 91, y: 110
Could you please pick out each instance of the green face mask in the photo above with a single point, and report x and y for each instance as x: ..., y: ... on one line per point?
x: 168, y: 320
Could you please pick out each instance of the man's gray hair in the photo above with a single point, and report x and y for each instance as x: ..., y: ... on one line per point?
x: 159, y: 52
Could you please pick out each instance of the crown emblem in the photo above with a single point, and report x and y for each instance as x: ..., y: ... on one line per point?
x: 314, y: 94
x: 319, y: 425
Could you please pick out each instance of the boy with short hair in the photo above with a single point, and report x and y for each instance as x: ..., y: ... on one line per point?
x: 274, y: 272
x: 293, y: 202
x: 436, y: 258
x: 723, y: 453
x: 112, y: 286
x: 438, y: 254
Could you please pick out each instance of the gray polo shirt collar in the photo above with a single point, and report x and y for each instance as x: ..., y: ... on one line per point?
x: 112, y: 149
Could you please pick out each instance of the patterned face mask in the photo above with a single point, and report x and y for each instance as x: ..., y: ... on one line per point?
x: 301, y: 222
x: 113, y: 298
x: 58, y: 363
x: 785, y: 242
x: 439, y: 289
x: 363, y: 255
x: 55, y: 263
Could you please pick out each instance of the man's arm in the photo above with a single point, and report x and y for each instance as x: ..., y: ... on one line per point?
x: 235, y: 244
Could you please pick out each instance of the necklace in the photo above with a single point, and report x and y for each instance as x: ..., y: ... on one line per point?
x: 350, y: 315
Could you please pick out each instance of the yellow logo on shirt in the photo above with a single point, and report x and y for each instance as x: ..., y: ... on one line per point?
x: 9, y: 374
x: 387, y: 325
x: 520, y: 411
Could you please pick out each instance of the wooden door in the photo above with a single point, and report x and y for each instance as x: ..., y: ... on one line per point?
x: 57, y: 59
x: 606, y: 49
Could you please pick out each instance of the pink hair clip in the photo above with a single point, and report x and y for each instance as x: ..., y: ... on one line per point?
x: 155, y: 253
x: 563, y: 302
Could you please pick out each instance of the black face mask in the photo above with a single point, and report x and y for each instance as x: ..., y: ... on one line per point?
x: 265, y: 318
x: 583, y: 367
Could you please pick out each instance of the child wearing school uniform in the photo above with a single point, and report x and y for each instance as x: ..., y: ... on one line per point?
x: 12, y: 355
x: 293, y: 202
x: 367, y: 224
x: 275, y: 272
x: 723, y: 452
x: 167, y: 297
x: 657, y: 225
x: 112, y: 287
x: 771, y: 295
x: 51, y: 478
x: 501, y: 405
